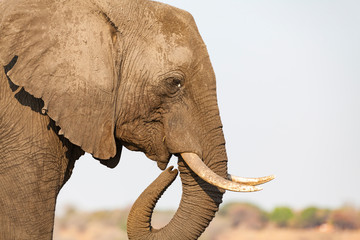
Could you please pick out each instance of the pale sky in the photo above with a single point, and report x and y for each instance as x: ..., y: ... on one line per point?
x: 288, y: 80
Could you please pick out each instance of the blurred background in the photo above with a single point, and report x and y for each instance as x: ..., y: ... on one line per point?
x: 288, y: 82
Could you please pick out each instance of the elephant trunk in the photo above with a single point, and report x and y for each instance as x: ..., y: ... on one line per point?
x: 200, y: 200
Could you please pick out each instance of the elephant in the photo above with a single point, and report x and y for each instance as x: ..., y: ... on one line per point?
x: 95, y: 76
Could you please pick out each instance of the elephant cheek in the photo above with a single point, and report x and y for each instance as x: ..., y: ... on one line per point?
x: 181, y: 136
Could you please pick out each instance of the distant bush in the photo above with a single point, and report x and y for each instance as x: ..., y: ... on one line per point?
x: 345, y: 218
x: 281, y: 216
x: 245, y: 214
x: 310, y: 217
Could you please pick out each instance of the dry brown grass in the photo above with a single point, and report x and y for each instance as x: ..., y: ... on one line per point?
x: 99, y: 231
x: 286, y: 234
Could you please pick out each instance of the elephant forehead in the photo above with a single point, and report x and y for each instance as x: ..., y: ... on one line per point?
x: 167, y: 54
x: 178, y: 56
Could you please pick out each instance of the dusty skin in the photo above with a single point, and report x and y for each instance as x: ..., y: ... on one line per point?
x: 96, y: 75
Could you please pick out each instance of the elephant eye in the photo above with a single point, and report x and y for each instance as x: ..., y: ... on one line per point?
x: 176, y: 82
x: 174, y: 85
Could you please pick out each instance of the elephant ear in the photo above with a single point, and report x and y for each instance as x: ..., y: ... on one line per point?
x: 65, y: 54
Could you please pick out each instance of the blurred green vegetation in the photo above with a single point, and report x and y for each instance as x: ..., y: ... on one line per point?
x: 281, y: 216
x: 311, y: 217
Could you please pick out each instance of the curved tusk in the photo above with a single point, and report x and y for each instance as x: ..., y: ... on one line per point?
x: 203, y: 171
x: 250, y: 181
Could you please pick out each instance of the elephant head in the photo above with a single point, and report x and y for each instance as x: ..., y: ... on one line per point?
x: 131, y: 73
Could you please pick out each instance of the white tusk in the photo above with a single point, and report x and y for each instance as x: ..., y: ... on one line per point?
x: 199, y: 167
x: 250, y: 181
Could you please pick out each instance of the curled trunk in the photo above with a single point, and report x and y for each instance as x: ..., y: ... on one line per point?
x: 200, y: 201
x: 141, y: 212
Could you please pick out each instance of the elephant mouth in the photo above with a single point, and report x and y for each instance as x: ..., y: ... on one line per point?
x: 232, y: 183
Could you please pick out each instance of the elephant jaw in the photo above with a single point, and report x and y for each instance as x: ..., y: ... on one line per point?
x: 232, y: 183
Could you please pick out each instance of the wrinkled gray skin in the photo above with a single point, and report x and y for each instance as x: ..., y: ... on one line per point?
x: 94, y: 76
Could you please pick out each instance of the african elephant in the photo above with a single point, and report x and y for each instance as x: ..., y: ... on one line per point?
x: 93, y: 76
